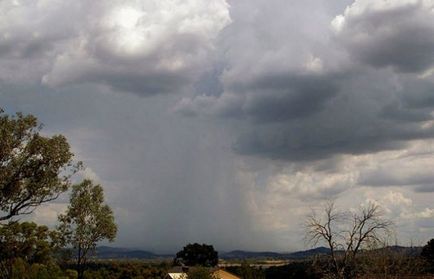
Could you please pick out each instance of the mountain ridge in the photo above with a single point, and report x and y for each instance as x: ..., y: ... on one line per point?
x: 107, y: 252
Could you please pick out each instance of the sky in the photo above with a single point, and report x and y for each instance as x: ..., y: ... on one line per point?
x: 228, y: 121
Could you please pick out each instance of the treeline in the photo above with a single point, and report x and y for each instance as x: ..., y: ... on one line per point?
x: 387, y: 262
x: 124, y: 269
x: 22, y: 269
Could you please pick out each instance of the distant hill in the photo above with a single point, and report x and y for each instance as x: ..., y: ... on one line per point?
x: 309, y: 253
x: 105, y: 252
x: 238, y: 254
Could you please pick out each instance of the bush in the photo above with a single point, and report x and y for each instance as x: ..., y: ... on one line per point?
x: 200, y: 273
x: 302, y: 269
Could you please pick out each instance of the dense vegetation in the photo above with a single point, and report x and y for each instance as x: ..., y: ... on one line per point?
x: 379, y: 263
x: 197, y: 254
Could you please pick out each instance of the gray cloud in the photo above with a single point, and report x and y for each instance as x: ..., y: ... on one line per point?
x: 48, y: 27
x: 146, y: 48
x: 425, y: 188
x: 280, y: 98
x: 350, y: 123
x: 419, y: 94
x: 298, y: 102
x: 400, y: 113
x: 381, y: 178
x: 381, y: 34
x: 143, y: 47
x: 410, y: 169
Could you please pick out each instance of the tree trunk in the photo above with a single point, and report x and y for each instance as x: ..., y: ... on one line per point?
x: 80, y: 270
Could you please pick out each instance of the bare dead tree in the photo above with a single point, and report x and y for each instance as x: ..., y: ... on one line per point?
x: 346, y: 233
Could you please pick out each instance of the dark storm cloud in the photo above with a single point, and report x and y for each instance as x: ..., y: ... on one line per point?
x: 414, y: 101
x: 270, y: 98
x: 298, y: 102
x: 279, y: 98
x: 381, y: 34
x: 368, y: 115
x: 420, y: 94
x: 399, y: 113
x: 318, y: 139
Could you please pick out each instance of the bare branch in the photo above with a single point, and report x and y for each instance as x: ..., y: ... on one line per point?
x: 344, y: 233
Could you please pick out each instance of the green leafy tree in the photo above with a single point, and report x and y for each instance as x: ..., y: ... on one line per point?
x: 26, y: 242
x: 34, y: 169
x: 87, y: 221
x: 23, y: 270
x: 197, y: 254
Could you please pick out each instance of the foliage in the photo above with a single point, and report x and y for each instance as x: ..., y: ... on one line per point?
x: 23, y: 270
x: 346, y: 234
x: 34, y: 169
x: 71, y: 274
x: 25, y: 241
x: 389, y: 262
x: 87, y: 221
x: 295, y: 270
x: 200, y: 273
x: 246, y: 271
x: 428, y: 254
x: 115, y: 269
x: 197, y: 254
